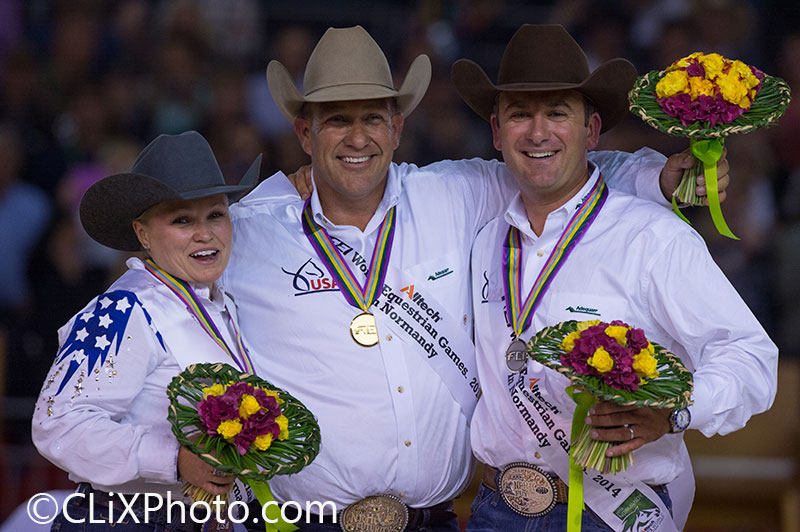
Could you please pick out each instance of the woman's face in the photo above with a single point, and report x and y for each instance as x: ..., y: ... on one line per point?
x: 189, y: 239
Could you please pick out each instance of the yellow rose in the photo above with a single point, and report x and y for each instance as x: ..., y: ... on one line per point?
x: 273, y: 393
x: 601, y: 360
x: 248, y: 406
x: 263, y: 442
x: 713, y: 64
x: 217, y: 389
x: 644, y: 364
x: 568, y: 343
x: 745, y: 74
x: 229, y: 428
x: 684, y: 62
x: 675, y: 82
x: 733, y: 90
x: 583, y: 325
x: 283, y: 424
x: 618, y: 333
x: 698, y: 86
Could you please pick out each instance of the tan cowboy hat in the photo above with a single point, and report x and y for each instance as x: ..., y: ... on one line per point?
x: 171, y: 167
x: 347, y: 64
x: 547, y: 58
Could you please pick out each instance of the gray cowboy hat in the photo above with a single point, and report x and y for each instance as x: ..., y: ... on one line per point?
x: 171, y: 167
x: 347, y: 64
x: 547, y: 58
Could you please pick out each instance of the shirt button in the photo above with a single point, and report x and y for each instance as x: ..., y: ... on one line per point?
x: 540, y: 253
x: 400, y: 389
x: 537, y: 455
x: 401, y: 495
x: 389, y: 337
x: 407, y: 443
x: 465, y: 319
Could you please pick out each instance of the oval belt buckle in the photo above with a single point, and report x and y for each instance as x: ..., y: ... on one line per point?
x: 527, y: 490
x: 376, y: 513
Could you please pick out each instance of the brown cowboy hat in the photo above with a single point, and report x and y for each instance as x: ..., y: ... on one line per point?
x: 347, y: 64
x: 171, y: 167
x: 543, y: 57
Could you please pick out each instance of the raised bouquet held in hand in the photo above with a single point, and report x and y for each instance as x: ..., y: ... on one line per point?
x: 610, y: 362
x: 242, y: 425
x: 707, y: 97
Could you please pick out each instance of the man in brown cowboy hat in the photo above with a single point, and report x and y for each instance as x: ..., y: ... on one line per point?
x: 358, y: 299
x: 587, y: 253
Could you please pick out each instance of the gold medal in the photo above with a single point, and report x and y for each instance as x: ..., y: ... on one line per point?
x: 364, y: 330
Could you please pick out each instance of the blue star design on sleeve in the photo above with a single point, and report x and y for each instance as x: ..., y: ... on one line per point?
x: 95, y: 333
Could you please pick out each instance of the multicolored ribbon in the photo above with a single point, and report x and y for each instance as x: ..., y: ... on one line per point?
x: 185, y: 293
x: 519, y: 314
x: 354, y: 293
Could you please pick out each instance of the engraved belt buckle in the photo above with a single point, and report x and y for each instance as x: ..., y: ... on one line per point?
x: 527, y: 490
x: 376, y: 513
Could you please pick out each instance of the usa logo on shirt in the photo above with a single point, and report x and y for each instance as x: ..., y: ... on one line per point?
x: 94, y: 334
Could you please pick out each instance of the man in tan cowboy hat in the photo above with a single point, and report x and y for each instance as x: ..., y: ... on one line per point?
x: 587, y: 253
x: 358, y: 299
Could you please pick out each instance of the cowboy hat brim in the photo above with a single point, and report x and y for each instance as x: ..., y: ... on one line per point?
x: 607, y: 87
x: 109, y: 206
x: 290, y: 102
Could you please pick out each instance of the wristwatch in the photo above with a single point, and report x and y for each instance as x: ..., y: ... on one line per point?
x: 679, y: 420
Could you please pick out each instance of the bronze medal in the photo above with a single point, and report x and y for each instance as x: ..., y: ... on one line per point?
x: 516, y: 356
x: 527, y: 490
x: 376, y: 513
x: 364, y: 330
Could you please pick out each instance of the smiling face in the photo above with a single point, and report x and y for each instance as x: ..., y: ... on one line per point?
x: 189, y: 239
x: 351, y: 145
x: 544, y: 137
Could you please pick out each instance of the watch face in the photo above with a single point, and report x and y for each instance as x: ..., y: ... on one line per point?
x: 681, y: 419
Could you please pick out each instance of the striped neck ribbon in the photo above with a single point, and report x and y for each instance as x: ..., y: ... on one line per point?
x: 195, y: 307
x: 354, y: 293
x: 519, y: 313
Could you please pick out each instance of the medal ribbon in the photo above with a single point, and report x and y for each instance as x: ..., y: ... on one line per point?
x: 519, y: 314
x: 195, y: 307
x: 353, y: 292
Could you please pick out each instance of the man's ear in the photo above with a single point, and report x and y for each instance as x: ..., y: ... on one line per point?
x: 496, y: 132
x: 593, y: 131
x: 302, y: 128
x: 398, y: 122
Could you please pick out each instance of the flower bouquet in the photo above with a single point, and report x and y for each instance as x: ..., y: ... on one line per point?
x: 707, y: 97
x: 610, y: 362
x: 240, y: 424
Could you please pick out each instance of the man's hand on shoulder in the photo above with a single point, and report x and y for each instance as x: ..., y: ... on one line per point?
x: 673, y: 171
x: 301, y: 179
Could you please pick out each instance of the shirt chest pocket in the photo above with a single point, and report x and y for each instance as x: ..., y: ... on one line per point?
x: 585, y: 306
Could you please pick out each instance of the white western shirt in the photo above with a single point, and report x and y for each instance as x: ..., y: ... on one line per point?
x: 640, y: 264
x: 108, y: 423
x: 389, y: 423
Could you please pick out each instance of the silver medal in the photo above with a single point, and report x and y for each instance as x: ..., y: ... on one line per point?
x: 516, y: 355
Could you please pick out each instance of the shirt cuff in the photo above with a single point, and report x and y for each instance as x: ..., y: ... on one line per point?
x: 702, y: 413
x: 648, y: 183
x: 158, y: 458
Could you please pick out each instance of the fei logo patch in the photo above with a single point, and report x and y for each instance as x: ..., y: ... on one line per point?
x: 583, y: 310
x: 638, y: 513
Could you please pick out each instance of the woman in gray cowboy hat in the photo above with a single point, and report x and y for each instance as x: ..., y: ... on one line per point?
x: 102, y: 412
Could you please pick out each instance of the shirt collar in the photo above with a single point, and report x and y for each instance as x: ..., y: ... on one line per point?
x: 517, y: 216
x: 391, y: 196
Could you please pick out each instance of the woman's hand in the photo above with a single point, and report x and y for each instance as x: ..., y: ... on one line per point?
x: 197, y: 472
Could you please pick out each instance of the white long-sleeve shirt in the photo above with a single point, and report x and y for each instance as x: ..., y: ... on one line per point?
x: 388, y: 422
x: 640, y: 264
x: 105, y: 421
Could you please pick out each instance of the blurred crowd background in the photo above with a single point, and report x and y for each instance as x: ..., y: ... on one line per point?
x: 85, y: 84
